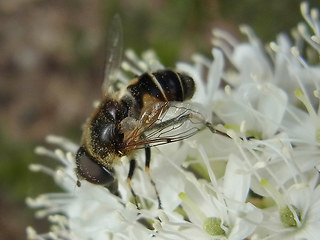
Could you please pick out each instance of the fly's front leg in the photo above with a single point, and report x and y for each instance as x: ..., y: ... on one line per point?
x: 147, y: 169
x: 130, y: 174
x: 212, y: 128
x: 209, y: 125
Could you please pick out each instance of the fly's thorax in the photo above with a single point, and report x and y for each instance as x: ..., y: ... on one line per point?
x: 102, y: 136
x: 130, y: 103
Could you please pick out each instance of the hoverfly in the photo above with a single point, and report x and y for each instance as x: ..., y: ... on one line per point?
x: 136, y: 118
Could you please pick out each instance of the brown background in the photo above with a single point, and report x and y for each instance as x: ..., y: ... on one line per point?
x: 52, y: 61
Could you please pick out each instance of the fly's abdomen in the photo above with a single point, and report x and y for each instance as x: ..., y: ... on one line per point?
x: 162, y: 85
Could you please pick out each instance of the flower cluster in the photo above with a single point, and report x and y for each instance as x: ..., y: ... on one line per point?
x: 261, y: 182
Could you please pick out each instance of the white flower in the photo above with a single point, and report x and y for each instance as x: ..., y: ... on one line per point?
x: 106, y: 212
x: 296, y: 215
x: 208, y: 184
x: 217, y: 210
x: 205, y: 93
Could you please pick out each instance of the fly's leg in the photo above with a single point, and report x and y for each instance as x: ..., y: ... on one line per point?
x: 212, y: 128
x: 147, y: 169
x: 130, y: 174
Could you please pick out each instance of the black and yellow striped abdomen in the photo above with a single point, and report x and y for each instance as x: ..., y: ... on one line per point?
x: 163, y: 85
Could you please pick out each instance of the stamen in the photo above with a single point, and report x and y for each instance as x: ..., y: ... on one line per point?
x: 275, y: 194
x: 295, y: 52
x: 43, y: 151
x: 302, y: 97
x: 62, y: 142
x: 251, y: 36
x: 129, y: 68
x: 150, y: 58
x: 304, y: 8
x: 221, y: 44
x: 201, y: 59
x: 130, y: 54
x: 41, y: 168
x: 31, y: 233
x: 227, y: 90
x: 315, y: 17
x: 225, y: 36
x: 302, y: 29
x: 192, y: 206
x: 243, y: 127
x: 274, y: 47
x: 316, y: 39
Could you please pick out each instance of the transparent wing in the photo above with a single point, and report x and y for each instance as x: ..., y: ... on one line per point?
x: 165, y: 122
x: 114, y: 53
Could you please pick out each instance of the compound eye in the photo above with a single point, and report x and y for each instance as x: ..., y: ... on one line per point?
x: 91, y: 171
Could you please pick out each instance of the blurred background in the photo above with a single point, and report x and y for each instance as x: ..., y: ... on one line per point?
x: 52, y: 55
